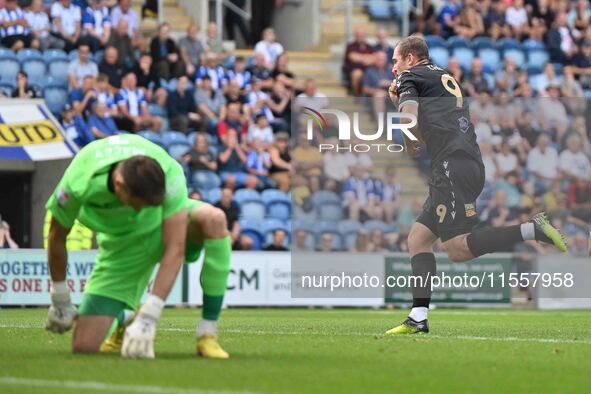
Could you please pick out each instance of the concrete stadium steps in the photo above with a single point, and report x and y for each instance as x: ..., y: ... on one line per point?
x: 173, y: 14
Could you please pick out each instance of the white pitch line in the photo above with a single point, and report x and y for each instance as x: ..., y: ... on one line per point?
x: 108, y: 387
x: 361, y: 334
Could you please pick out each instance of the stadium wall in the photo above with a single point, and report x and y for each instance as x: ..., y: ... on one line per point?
x: 297, y: 24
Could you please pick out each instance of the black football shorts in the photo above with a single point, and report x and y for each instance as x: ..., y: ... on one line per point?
x: 455, y: 183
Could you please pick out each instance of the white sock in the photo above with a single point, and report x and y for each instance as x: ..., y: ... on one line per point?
x: 528, y: 231
x: 209, y: 326
x: 418, y: 313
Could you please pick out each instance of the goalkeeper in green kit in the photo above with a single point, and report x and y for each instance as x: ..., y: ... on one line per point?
x: 134, y: 195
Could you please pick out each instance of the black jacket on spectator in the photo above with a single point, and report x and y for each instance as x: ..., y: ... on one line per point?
x: 149, y: 81
x: 113, y: 71
x: 232, y: 213
x: 178, y: 105
x: 553, y: 41
x: 155, y: 49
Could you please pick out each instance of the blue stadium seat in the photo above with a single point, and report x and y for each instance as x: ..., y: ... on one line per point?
x: 73, y: 55
x: 56, y: 97
x: 10, y: 67
x: 479, y: 43
x: 507, y: 43
x: 379, y: 9
x: 349, y: 226
x: 7, y: 52
x: 373, y: 224
x: 439, y: 56
x: 212, y: 195
x: 58, y: 69
x: 27, y: 54
x: 277, y: 203
x: 98, y: 56
x: 6, y: 88
x: 435, y: 41
x: 35, y: 69
x: 48, y: 80
x: 299, y: 214
x: 272, y: 224
x: 228, y: 63
x: 490, y: 58
x: 252, y: 209
x: 490, y: 79
x: 329, y: 211
x: 464, y: 56
x: 173, y: 137
x: 558, y: 68
x: 204, y: 179
x: 243, y: 195
x: 516, y: 54
x: 250, y: 61
x: 537, y: 57
x: 191, y: 137
x: 252, y: 229
x: 533, y: 70
x: 151, y: 136
x: 457, y: 42
x: 270, y: 195
x: 177, y: 150
x: 251, y: 224
x: 54, y: 54
x: 304, y: 225
x: 323, y: 196
x: 532, y: 44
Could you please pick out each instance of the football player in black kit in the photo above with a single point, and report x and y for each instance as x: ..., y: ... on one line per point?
x: 435, y: 98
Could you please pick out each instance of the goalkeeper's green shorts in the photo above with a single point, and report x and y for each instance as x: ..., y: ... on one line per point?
x: 96, y: 305
x: 124, y: 267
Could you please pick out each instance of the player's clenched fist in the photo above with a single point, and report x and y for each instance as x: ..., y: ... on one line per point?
x: 392, y: 91
x: 138, y: 341
x: 61, y: 314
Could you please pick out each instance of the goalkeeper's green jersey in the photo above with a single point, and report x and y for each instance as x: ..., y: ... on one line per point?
x: 83, y: 192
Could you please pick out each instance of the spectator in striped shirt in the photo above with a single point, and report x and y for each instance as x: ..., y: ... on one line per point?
x: 133, y: 105
x: 15, y: 31
x: 40, y: 27
x: 258, y: 161
x: 96, y: 25
x: 216, y: 73
x: 66, y: 23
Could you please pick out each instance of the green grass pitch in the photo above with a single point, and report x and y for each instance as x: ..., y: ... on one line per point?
x: 315, y: 351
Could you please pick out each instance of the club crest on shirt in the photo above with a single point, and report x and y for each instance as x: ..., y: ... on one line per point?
x: 464, y: 124
x: 470, y: 209
x: 62, y: 196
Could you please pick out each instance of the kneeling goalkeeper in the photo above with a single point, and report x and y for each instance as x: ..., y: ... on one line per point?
x: 133, y: 194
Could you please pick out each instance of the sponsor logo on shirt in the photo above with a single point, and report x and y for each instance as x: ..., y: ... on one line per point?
x: 62, y: 196
x: 470, y: 209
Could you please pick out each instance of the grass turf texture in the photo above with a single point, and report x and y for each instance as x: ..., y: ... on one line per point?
x: 315, y: 351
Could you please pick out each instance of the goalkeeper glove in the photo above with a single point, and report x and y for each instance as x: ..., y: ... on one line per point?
x: 138, y: 341
x: 62, y: 313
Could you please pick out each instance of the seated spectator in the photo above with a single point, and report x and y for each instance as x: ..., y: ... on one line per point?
x: 377, y: 241
x: 383, y: 45
x: 96, y: 25
x: 104, y: 95
x: 358, y: 56
x: 506, y: 160
x: 280, y: 155
x: 282, y: 74
x: 361, y: 242
x: 310, y: 97
x: 233, y: 120
x: 516, y: 17
x: 388, y: 194
x: 307, y: 160
x: 448, y: 15
x: 336, y: 166
x: 6, y: 241
x: 182, y: 110
x: 300, y: 241
x: 211, y: 104
x: 542, y: 163
x: 165, y: 54
x: 474, y: 81
x: 280, y: 105
x: 66, y: 23
x: 582, y: 65
x: 325, y: 244
x: 100, y: 124
x: 14, y: 29
x: 232, y: 211
x: 81, y: 67
x: 509, y: 185
x: 200, y: 158
x: 23, y: 89
x: 213, y: 44
x: 552, y: 113
x: 124, y: 12
x: 573, y: 162
x: 261, y: 72
x: 231, y: 160
x: 258, y: 100
x: 240, y: 74
x: 498, y: 213
x: 469, y: 23
x: 147, y: 79
x: 258, y: 161
x: 561, y: 40
x: 111, y: 68
x: 488, y: 159
x: 408, y: 214
x: 191, y: 50
x: 278, y: 244
x: 579, y: 247
x: 213, y: 71
x: 123, y: 44
x: 82, y: 98
x: 261, y: 130
x: 133, y: 106
x: 359, y: 199
x: 269, y: 48
x: 40, y: 27
x: 506, y: 78
x: 362, y: 159
x: 376, y: 81
x: 75, y: 127
x: 541, y: 81
x: 579, y: 199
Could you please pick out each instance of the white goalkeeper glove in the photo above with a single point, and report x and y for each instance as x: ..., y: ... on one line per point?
x: 138, y: 341
x: 61, y: 314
